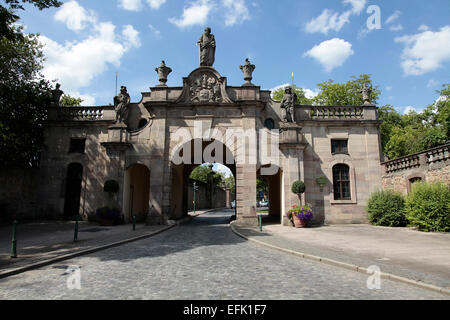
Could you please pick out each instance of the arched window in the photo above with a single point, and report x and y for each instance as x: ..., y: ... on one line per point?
x: 341, y: 182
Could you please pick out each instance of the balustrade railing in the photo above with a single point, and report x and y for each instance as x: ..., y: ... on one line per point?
x: 84, y: 113
x: 337, y: 113
x: 427, y: 157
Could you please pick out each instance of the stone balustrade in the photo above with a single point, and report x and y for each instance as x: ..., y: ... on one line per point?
x: 337, y: 113
x: 425, y: 158
x: 82, y: 113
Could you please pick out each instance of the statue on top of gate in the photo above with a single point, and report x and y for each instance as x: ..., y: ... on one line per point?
x: 121, y: 103
x: 207, y: 47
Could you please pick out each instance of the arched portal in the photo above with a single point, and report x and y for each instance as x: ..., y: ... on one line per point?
x: 182, y: 186
x: 73, y: 190
x: 136, y: 192
x: 273, y: 196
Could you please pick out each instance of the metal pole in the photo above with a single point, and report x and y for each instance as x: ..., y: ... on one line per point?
x: 134, y: 222
x: 14, y: 241
x: 75, y: 235
x: 195, y: 187
x: 260, y: 222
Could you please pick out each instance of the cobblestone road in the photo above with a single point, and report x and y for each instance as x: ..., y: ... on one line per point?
x: 200, y: 260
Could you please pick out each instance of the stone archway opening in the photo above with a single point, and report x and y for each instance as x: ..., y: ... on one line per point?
x: 72, y: 197
x: 136, y: 192
x: 273, y: 195
x: 208, y: 195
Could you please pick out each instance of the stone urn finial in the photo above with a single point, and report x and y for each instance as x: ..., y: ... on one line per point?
x: 248, y: 69
x: 163, y: 71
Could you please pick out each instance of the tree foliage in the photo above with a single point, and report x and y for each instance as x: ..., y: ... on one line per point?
x: 24, y: 93
x: 278, y: 94
x: 8, y: 15
x: 205, y: 174
x: 407, y: 134
x: 24, y: 96
x: 345, y: 94
x: 68, y: 101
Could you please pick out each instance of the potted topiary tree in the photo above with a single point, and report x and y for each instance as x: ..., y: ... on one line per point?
x: 298, y: 188
x: 299, y: 215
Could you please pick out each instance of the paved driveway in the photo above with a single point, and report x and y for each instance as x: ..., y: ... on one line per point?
x: 200, y: 260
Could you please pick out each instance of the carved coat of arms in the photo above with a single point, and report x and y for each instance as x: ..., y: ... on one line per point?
x: 204, y: 86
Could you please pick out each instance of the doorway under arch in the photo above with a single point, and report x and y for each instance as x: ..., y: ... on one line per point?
x: 136, y: 192
x: 74, y: 180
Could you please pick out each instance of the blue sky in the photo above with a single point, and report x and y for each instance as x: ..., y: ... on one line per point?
x: 87, y: 42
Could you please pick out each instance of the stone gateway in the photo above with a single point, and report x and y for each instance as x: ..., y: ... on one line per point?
x: 150, y: 148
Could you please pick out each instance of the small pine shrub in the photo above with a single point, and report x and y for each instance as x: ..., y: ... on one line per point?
x: 428, y: 207
x: 387, y: 208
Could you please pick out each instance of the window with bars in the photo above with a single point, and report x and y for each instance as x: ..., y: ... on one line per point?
x: 339, y: 146
x: 77, y: 145
x: 341, y: 182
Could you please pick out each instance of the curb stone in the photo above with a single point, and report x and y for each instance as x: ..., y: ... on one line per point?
x: 347, y: 266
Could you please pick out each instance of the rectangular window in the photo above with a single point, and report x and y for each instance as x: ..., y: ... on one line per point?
x: 77, y: 145
x: 339, y: 146
x: 341, y: 182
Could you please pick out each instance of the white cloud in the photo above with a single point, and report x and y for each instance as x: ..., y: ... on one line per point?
x: 130, y: 5
x: 308, y: 92
x: 236, y: 12
x: 131, y: 35
x: 358, y: 5
x: 223, y: 169
x: 331, y: 20
x: 410, y: 109
x: 423, y: 27
x: 331, y: 53
x: 389, y: 88
x: 195, y: 14
x: 432, y: 83
x: 74, y: 16
x: 397, y: 27
x: 155, y: 31
x: 76, y: 64
x: 155, y: 4
x: 425, y: 52
x: 393, y: 17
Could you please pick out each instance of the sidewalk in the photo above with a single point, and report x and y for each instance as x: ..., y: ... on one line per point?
x: 410, y: 254
x: 45, y: 242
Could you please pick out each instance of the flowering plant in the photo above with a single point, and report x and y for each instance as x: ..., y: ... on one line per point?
x: 304, y: 213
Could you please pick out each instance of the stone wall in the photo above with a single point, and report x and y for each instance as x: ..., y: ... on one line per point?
x: 206, y: 198
x: 17, y: 194
x: 429, y: 166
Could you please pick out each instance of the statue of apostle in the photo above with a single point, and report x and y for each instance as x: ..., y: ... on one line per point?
x: 207, y: 45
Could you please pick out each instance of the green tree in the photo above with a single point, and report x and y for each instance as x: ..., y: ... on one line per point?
x: 68, y: 101
x: 203, y: 173
x: 8, y: 15
x: 345, y: 94
x: 24, y: 93
x: 24, y: 96
x: 278, y: 94
x: 390, y: 119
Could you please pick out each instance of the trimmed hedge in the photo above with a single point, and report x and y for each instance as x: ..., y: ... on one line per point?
x: 428, y: 207
x: 387, y: 208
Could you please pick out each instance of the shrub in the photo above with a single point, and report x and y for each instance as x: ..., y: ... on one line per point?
x: 298, y: 187
x: 111, y: 186
x: 428, y: 207
x: 304, y: 213
x: 387, y: 208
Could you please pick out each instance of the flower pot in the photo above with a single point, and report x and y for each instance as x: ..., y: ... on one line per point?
x: 298, y: 223
x: 105, y: 222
